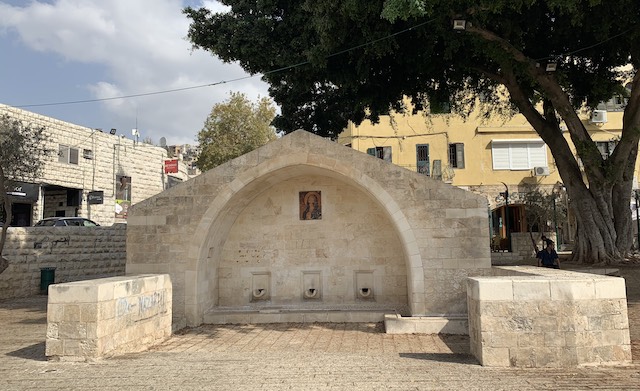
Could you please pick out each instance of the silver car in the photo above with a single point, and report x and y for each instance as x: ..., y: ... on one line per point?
x: 66, y: 222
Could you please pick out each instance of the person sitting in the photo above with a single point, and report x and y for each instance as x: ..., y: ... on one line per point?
x: 548, y: 257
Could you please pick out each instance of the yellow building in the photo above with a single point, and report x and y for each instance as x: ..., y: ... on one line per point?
x: 486, y: 157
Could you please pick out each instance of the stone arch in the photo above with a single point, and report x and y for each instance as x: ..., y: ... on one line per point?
x: 218, y: 219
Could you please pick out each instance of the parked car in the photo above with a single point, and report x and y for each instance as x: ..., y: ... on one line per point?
x: 66, y: 222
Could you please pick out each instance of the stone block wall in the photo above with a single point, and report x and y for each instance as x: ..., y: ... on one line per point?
x: 521, y: 243
x: 313, y: 254
x: 109, y: 316
x: 538, y: 317
x: 77, y: 253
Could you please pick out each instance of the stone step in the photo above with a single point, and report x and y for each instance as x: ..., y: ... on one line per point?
x: 295, y: 316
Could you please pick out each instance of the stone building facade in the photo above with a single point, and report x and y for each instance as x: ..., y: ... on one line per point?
x: 91, y: 173
x: 305, y: 224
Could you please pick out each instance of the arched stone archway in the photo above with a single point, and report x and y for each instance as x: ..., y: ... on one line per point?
x: 440, y: 231
x: 220, y: 217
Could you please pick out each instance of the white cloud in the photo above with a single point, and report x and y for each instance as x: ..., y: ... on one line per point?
x: 142, y: 46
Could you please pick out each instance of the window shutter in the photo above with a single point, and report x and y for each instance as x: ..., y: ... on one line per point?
x: 63, y: 153
x: 73, y: 156
x: 371, y: 151
x: 500, y: 155
x: 520, y: 156
x: 538, y: 155
x: 386, y: 154
x: 459, y: 155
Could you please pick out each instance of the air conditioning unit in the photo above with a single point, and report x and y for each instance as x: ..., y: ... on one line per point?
x: 541, y: 171
x: 599, y: 116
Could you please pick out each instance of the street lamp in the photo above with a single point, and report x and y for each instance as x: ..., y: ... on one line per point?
x: 555, y: 219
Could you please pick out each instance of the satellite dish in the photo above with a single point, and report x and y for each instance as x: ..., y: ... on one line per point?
x: 163, y: 142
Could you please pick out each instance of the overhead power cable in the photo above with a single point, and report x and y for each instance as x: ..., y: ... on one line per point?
x: 290, y: 67
x: 223, y: 81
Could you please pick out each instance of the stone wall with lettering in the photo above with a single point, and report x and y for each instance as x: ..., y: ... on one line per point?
x: 76, y: 253
x: 108, y: 316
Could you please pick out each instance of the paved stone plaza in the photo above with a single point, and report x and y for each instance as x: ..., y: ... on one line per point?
x: 290, y: 356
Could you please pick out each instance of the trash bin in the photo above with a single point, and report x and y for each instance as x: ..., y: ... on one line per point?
x: 47, y: 277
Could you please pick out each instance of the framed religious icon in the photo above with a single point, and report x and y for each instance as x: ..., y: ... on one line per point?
x: 310, y: 205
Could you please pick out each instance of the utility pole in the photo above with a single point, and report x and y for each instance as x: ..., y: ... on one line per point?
x: 506, y: 213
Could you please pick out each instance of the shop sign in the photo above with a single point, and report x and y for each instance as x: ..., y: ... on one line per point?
x: 95, y: 197
x: 171, y: 166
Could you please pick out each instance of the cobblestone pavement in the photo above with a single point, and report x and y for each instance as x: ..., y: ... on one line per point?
x: 318, y: 356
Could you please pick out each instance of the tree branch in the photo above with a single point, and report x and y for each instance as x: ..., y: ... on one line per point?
x: 506, y: 45
x: 555, y: 95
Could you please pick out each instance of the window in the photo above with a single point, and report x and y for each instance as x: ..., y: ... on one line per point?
x: 422, y: 158
x: 73, y: 156
x: 383, y: 153
x: 63, y: 154
x: 606, y: 148
x: 87, y: 154
x: 67, y: 155
x: 123, y: 188
x: 518, y: 154
x: 456, y: 155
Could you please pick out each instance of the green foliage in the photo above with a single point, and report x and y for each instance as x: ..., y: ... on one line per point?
x: 339, y: 83
x: 540, y: 211
x: 22, y: 149
x: 329, y: 62
x: 233, y: 128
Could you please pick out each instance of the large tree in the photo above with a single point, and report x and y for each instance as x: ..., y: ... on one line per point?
x: 233, y: 128
x: 328, y: 62
x: 22, y: 150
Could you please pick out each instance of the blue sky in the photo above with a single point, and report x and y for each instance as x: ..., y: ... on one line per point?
x: 69, y: 50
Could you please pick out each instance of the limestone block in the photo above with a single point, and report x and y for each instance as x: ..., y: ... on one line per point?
x: 610, y: 288
x: 334, y: 316
x: 54, y: 347
x: 574, y: 323
x: 55, y: 312
x: 71, y: 313
x: 531, y: 290
x: 614, y: 338
x: 490, y: 289
x: 495, y: 357
x: 573, y: 290
x: 526, y: 340
x: 72, y: 330
x: 311, y: 317
x: 544, y: 324
x: 52, y: 330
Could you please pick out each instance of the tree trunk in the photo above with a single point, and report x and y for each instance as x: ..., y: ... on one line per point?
x: 596, y: 235
x: 622, y: 217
